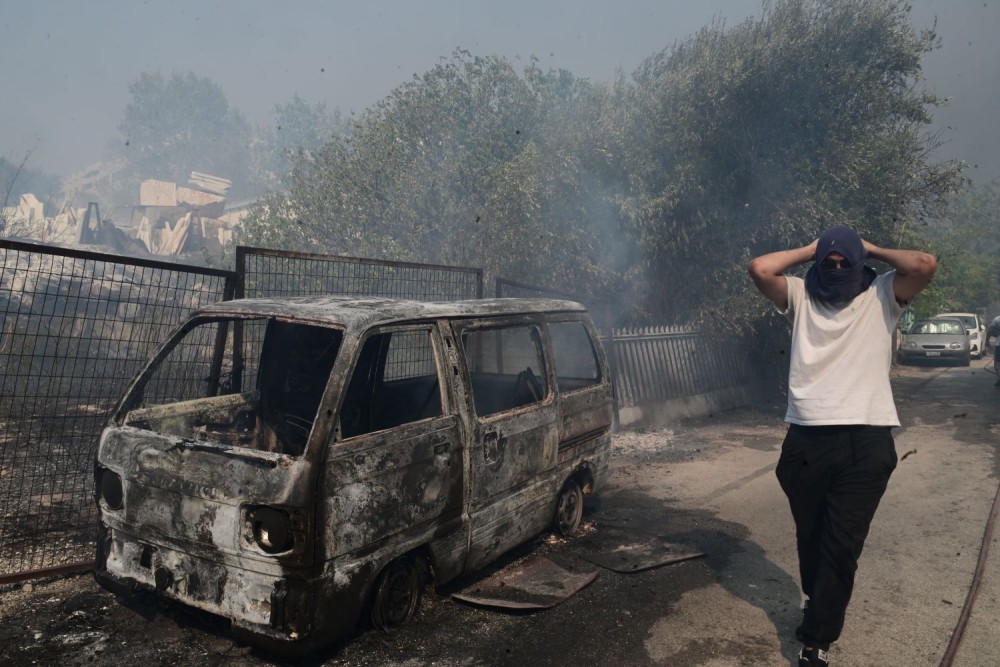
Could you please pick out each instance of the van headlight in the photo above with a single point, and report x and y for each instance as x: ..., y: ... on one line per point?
x: 269, y: 528
x: 110, y: 491
x: 910, y: 345
x: 957, y: 346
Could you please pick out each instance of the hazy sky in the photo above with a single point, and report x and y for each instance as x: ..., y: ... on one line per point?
x: 66, y: 65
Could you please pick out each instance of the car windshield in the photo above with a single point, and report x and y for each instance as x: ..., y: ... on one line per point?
x: 254, y: 384
x: 968, y: 321
x: 937, y: 327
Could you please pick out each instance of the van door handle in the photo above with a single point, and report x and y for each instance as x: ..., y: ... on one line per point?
x: 493, y: 446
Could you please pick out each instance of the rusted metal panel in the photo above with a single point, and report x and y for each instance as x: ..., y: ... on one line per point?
x: 534, y: 583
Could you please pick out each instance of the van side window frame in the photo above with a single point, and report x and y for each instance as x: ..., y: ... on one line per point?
x: 377, y: 373
x: 598, y: 380
x: 523, y: 383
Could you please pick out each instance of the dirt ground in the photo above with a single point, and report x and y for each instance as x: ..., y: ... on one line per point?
x: 705, y: 483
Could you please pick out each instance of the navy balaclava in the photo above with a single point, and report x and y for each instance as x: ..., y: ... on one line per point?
x: 843, y: 284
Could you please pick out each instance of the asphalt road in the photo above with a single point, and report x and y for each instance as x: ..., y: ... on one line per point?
x: 707, y: 485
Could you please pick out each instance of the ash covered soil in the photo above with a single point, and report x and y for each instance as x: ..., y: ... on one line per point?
x: 72, y: 621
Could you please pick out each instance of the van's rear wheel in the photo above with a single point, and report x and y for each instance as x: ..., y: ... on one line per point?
x: 569, y: 509
x: 397, y: 593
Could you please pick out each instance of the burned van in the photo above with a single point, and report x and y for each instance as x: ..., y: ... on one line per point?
x: 298, y: 465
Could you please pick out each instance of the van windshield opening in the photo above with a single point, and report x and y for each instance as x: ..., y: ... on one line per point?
x: 248, y: 383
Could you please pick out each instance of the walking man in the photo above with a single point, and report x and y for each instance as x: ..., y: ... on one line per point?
x: 838, y: 453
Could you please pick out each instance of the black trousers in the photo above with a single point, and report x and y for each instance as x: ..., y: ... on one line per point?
x: 834, y: 477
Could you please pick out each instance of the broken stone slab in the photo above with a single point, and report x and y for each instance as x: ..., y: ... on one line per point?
x: 214, y: 184
x: 205, y: 204
x: 157, y: 193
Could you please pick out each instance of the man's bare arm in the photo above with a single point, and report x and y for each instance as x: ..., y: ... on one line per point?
x: 768, y: 271
x: 914, y: 269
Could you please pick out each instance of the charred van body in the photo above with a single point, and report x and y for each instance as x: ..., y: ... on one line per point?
x: 294, y: 465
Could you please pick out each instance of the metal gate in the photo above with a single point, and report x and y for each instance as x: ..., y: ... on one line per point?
x: 75, y: 327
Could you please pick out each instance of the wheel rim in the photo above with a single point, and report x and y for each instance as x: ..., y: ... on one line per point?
x: 569, y: 509
x: 398, y: 595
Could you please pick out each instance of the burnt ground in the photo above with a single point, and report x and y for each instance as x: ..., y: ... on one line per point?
x: 72, y: 621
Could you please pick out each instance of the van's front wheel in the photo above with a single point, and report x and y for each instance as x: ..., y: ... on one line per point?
x: 397, y: 593
x: 569, y: 509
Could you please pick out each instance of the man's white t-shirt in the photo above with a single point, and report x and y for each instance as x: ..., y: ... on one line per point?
x: 840, y: 357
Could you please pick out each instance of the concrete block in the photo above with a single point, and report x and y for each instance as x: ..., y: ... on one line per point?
x: 157, y: 193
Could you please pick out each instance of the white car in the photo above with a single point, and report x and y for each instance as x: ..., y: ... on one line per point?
x: 976, y: 329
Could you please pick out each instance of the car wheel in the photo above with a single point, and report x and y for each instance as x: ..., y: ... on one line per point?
x: 569, y: 509
x: 397, y: 593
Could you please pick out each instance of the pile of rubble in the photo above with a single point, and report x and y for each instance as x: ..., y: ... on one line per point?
x: 170, y: 220
x: 175, y: 220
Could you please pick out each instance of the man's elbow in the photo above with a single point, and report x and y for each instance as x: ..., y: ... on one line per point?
x: 926, y: 265
x: 755, y: 269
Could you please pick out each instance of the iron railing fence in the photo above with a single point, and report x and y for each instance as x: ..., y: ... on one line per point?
x: 655, y: 364
x: 76, y: 325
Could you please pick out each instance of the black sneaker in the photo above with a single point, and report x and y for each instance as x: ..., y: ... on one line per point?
x: 810, y: 657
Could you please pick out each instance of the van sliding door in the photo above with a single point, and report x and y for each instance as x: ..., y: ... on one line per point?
x: 516, y: 436
x: 395, y: 474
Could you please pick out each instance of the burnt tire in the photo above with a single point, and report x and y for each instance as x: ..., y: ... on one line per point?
x: 569, y: 509
x: 397, y: 593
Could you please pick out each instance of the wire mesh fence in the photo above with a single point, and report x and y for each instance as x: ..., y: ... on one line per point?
x: 75, y: 327
x: 265, y: 273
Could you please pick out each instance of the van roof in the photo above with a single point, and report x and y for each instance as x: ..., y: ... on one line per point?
x: 354, y: 312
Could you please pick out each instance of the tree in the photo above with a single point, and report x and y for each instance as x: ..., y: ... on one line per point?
x: 177, y: 125
x: 966, y: 240
x: 660, y: 187
x: 297, y: 127
x: 17, y: 179
x: 470, y: 164
x: 758, y: 137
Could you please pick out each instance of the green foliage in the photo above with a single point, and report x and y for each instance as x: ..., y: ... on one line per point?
x: 966, y: 240
x: 177, y: 125
x: 758, y: 137
x: 298, y: 127
x: 660, y: 187
x: 469, y: 164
